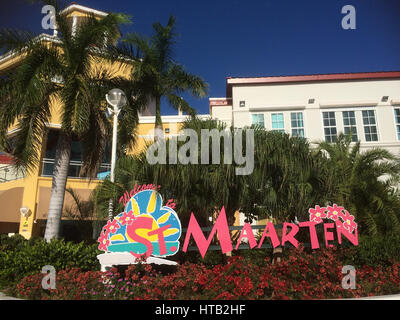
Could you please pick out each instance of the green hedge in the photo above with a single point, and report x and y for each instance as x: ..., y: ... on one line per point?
x: 20, y: 257
x: 375, y: 251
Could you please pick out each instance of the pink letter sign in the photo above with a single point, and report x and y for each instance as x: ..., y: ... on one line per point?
x: 220, y: 226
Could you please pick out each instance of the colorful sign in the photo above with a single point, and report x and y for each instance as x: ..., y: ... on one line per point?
x: 145, y: 228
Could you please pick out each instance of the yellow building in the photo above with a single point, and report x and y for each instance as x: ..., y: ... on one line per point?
x: 33, y: 191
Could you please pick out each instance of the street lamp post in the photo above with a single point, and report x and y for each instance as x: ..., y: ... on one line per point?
x: 116, y: 98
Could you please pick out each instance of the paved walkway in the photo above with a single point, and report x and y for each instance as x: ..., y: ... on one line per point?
x: 391, y: 297
x: 4, y: 297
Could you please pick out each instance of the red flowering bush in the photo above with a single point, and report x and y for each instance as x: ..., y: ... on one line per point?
x: 301, y: 275
x: 71, y: 284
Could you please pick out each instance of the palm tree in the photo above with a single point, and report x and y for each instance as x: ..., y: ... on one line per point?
x: 365, y: 183
x: 156, y: 75
x: 287, y: 177
x: 286, y: 181
x: 64, y: 70
x: 81, y: 209
x: 201, y: 189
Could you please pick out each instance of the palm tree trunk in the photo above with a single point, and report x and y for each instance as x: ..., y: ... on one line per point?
x: 158, y: 127
x: 59, y: 182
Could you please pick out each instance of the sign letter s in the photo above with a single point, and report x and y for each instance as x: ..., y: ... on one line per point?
x: 140, y: 223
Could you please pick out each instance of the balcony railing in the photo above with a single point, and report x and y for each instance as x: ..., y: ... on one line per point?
x: 73, y: 170
x: 9, y: 173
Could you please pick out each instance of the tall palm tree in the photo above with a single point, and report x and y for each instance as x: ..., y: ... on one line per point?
x: 365, y: 183
x: 156, y: 74
x: 64, y: 70
x: 201, y: 189
x: 286, y: 181
x: 287, y: 177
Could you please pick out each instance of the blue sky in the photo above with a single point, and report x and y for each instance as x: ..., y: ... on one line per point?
x: 222, y: 38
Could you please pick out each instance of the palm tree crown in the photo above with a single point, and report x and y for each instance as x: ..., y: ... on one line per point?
x: 365, y: 183
x: 65, y: 71
x: 156, y: 75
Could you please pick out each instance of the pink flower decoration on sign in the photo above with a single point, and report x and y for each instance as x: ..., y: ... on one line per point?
x: 348, y: 221
x: 111, y: 226
x: 334, y: 212
x: 127, y: 218
x: 343, y: 219
x: 317, y: 214
x: 104, y: 242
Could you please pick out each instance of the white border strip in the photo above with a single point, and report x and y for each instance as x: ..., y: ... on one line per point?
x: 338, y: 104
x: 84, y: 9
x: 277, y: 107
x: 170, y: 119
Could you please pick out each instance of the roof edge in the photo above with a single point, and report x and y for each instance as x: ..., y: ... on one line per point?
x: 85, y: 9
x: 309, y: 78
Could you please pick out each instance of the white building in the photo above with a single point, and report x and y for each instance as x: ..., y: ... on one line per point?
x: 318, y: 107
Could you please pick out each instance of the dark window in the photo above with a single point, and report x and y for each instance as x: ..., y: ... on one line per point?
x: 369, y: 121
x: 329, y: 126
x: 397, y: 118
x: 76, y: 156
x: 349, y: 124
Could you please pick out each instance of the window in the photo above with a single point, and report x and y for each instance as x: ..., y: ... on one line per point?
x: 258, y: 120
x: 370, y: 131
x: 397, y: 118
x: 329, y: 126
x: 297, y: 124
x: 277, y: 122
x: 75, y: 163
x: 349, y: 124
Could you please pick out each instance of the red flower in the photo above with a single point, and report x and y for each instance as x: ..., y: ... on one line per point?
x: 334, y: 212
x: 104, y: 242
x: 348, y: 221
x: 127, y: 218
x: 111, y: 226
x: 317, y: 214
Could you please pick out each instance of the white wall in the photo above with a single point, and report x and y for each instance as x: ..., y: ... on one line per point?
x: 222, y: 113
x: 336, y: 96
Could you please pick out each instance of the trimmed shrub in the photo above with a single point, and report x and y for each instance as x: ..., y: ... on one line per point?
x: 375, y: 251
x: 20, y: 257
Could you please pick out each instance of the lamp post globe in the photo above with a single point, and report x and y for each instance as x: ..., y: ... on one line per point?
x: 116, y: 98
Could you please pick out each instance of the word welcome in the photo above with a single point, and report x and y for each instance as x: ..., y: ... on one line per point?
x: 137, y: 188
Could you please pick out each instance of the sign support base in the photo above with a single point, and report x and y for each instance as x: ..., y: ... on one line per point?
x: 111, y: 259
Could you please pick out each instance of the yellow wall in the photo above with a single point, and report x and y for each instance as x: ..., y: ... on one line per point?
x: 36, y: 188
x: 36, y: 195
